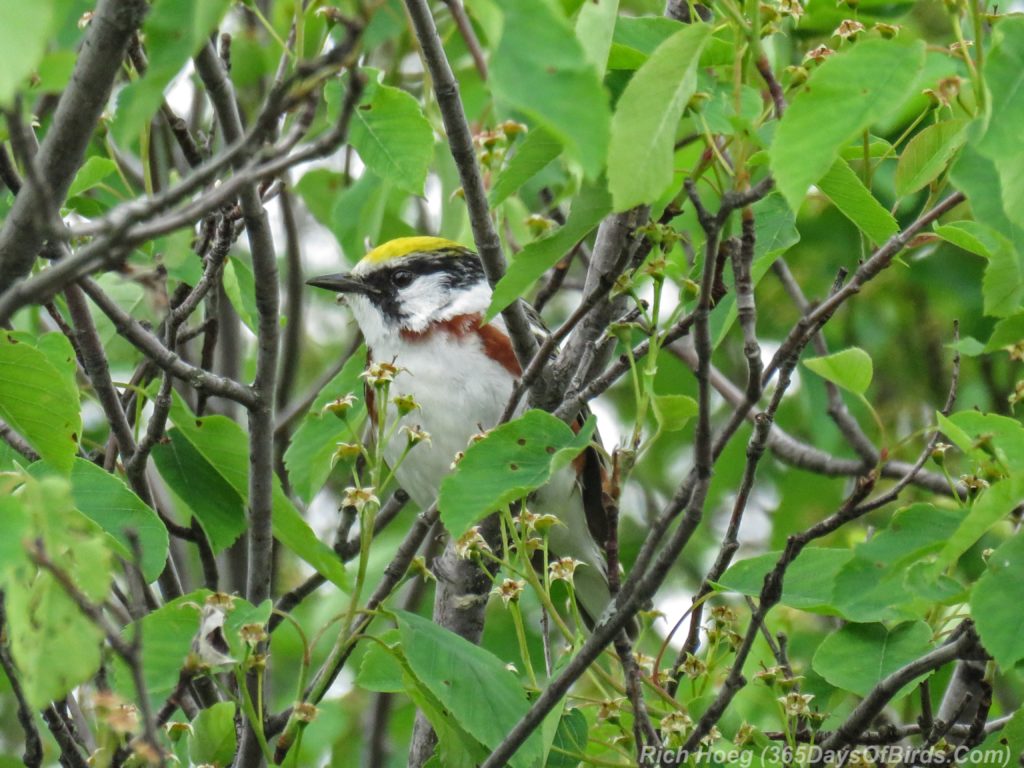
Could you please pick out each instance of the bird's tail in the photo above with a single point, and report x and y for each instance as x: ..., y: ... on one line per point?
x: 573, y: 538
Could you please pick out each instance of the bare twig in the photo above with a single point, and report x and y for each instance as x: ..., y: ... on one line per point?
x: 878, y: 261
x: 291, y: 344
x: 63, y: 149
x: 154, y: 349
x: 347, y: 548
x: 332, y: 666
x: 70, y: 756
x: 770, y: 595
x: 33, y: 754
x: 961, y: 644
x: 17, y: 442
x: 746, y: 312
x: 837, y: 409
x: 94, y: 359
x: 458, y: 12
x: 460, y: 141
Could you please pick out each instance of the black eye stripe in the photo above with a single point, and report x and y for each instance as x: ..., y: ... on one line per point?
x: 458, y: 268
x: 463, y: 269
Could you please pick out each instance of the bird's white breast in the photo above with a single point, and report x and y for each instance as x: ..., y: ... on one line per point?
x: 461, y: 392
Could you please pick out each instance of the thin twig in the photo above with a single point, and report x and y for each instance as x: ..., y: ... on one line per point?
x: 347, y: 548
x: 837, y: 410
x: 33, y: 754
x: 962, y: 643
x: 151, y: 346
x: 460, y: 141
x: 129, y: 651
x: 17, y: 442
x: 332, y: 666
x: 870, y: 268
x: 458, y: 12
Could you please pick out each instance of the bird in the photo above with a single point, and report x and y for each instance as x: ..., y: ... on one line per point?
x: 420, y: 303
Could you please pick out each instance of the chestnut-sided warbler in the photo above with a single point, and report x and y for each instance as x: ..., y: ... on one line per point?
x: 420, y: 303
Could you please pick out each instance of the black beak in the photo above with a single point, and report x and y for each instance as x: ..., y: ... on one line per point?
x: 342, y: 283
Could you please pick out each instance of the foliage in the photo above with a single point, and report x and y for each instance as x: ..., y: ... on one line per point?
x: 782, y: 244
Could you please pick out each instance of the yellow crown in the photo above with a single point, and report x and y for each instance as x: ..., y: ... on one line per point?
x: 403, y: 246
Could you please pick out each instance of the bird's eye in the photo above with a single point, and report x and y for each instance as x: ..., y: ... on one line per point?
x: 401, y: 278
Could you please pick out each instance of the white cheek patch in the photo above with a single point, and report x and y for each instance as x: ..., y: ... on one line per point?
x: 423, y: 300
x: 430, y: 300
x: 469, y: 300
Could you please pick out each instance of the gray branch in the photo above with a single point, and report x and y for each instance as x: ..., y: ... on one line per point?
x: 63, y: 149
x: 460, y: 141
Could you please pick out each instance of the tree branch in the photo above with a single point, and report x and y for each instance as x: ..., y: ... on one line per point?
x: 961, y: 644
x: 33, y: 755
x: 154, y: 349
x: 460, y: 141
x: 63, y: 148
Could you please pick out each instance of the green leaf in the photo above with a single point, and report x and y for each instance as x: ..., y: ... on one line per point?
x: 379, y: 669
x: 393, y: 137
x: 55, y: 70
x: 167, y: 635
x: 107, y: 501
x: 318, y: 189
x: 589, y: 207
x: 844, y: 188
x: 809, y: 580
x: 849, y: 92
x: 1002, y: 287
x: 369, y: 196
x: 1007, y: 333
x: 927, y: 154
x: 643, y: 129
x: 912, y: 534
x: 995, y: 604
x: 213, y: 740
x: 514, y: 459
x: 179, y: 259
x: 37, y: 400
x: 218, y: 507
x: 856, y: 657
x: 979, y: 178
x: 23, y: 37
x: 673, y: 412
x: 538, y: 149
x: 570, y: 740
x: 240, y: 287
x: 595, y: 27
x: 992, y: 506
x: 1008, y: 740
x: 55, y: 646
x: 14, y: 531
x: 966, y: 235
x: 92, y: 172
x: 174, y: 31
x: 645, y: 33
x: 850, y: 369
x: 242, y: 614
x: 540, y: 68
x: 455, y: 672
x: 308, y: 458
x: 872, y: 586
x: 1005, y: 434
x: 1004, y: 80
x: 225, y: 446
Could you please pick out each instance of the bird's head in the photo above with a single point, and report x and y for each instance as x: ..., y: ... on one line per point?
x: 409, y: 283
